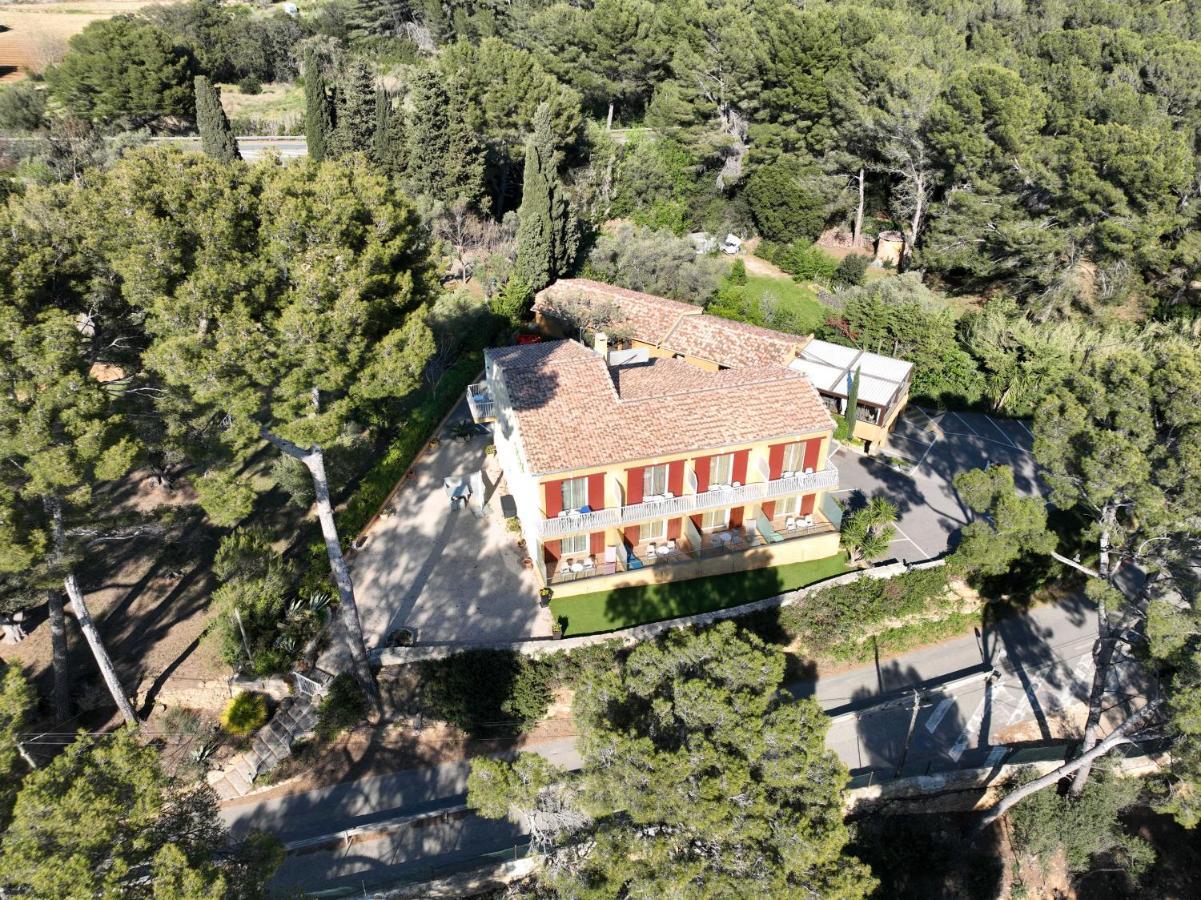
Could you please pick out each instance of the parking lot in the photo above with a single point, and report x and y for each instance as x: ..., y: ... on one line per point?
x: 926, y: 451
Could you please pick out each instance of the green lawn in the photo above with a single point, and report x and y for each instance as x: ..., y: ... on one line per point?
x: 621, y: 608
x: 797, y: 298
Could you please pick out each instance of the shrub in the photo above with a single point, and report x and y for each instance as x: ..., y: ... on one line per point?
x: 852, y: 271
x: 803, y: 261
x: 839, y: 614
x: 656, y: 262
x: 245, y: 714
x: 22, y: 107
x: 343, y: 706
x: 250, y: 84
x: 487, y: 692
x: 738, y: 272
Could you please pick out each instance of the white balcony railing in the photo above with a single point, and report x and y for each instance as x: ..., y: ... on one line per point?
x: 672, y: 507
x: 480, y: 402
x: 575, y: 522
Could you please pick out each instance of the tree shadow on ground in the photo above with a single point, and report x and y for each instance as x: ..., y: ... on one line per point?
x: 929, y: 856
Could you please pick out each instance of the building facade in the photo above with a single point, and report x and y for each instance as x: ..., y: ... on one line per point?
x: 627, y: 469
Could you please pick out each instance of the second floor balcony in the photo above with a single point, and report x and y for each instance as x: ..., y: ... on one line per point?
x: 480, y: 402
x: 670, y: 507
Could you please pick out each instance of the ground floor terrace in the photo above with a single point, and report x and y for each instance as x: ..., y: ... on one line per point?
x: 795, y: 529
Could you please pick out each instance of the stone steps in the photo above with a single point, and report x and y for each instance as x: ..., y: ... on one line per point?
x: 272, y: 744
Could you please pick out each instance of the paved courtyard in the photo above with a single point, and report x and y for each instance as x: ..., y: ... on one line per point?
x: 450, y: 574
x: 938, y: 446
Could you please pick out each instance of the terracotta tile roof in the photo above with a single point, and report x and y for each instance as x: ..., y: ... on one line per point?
x: 650, y: 318
x: 680, y: 327
x: 729, y: 343
x: 573, y: 412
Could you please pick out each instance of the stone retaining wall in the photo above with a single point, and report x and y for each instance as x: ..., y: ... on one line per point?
x: 399, y: 656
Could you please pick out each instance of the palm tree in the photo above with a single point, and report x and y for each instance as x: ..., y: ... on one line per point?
x: 867, y: 532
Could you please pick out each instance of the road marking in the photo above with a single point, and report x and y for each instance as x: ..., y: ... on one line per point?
x: 1022, y: 422
x: 969, y: 426
x: 911, y: 540
x: 924, y: 455
x: 940, y: 713
x: 1001, y: 432
x: 1031, y: 692
x: 970, y: 730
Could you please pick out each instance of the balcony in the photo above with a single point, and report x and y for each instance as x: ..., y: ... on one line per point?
x: 655, y: 508
x: 479, y: 400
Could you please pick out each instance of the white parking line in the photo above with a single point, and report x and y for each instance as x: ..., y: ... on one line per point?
x: 969, y: 425
x: 1001, y: 432
x: 1024, y: 425
x: 911, y: 540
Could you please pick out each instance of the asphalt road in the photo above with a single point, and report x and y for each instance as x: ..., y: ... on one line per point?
x: 432, y: 845
x: 252, y: 148
x: 1045, y: 665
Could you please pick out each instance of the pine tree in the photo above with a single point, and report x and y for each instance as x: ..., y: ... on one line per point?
x: 388, y: 139
x: 547, y: 233
x: 355, y: 114
x: 318, y: 109
x: 216, y: 136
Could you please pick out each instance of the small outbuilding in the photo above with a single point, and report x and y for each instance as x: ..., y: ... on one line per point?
x: 890, y: 247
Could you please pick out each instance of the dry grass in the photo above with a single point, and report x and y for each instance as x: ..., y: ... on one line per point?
x: 37, y: 33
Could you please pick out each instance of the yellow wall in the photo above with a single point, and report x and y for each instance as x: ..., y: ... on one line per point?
x: 878, y: 434
x: 818, y: 546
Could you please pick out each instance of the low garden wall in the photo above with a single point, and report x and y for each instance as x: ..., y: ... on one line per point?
x: 397, y: 656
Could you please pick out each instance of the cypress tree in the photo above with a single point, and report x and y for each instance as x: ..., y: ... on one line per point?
x: 216, y: 136
x: 318, y: 110
x: 463, y: 167
x: 852, y: 403
x: 427, y: 134
x: 355, y: 113
x: 388, y: 140
x: 547, y: 233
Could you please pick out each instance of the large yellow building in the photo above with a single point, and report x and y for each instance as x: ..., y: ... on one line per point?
x: 644, y: 468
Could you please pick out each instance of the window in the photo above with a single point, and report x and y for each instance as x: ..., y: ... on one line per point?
x: 654, y: 481
x: 575, y: 493
x: 654, y: 531
x: 789, y: 506
x: 575, y: 544
x: 794, y: 457
x: 721, y: 469
x: 715, y: 518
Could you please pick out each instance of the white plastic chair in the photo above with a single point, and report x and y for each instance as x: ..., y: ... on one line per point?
x: 790, y: 523
x: 671, y: 545
x: 588, y: 563
x: 808, y: 521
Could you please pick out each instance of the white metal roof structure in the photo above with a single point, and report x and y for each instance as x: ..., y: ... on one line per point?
x: 831, y: 367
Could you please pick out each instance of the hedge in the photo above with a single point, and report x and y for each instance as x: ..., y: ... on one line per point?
x: 375, y: 486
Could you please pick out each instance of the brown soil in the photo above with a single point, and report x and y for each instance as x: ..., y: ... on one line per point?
x: 37, y: 33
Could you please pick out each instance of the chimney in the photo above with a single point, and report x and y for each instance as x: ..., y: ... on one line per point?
x: 600, y: 343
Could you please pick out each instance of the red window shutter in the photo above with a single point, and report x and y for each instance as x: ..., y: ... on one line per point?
x: 675, y: 477
x: 812, y: 448
x: 634, y: 486
x: 740, y: 461
x: 554, y: 498
x: 674, y: 526
x: 597, y: 543
x: 551, y: 551
x: 775, y: 461
x: 769, y: 509
x: 631, y: 535
x: 736, y: 516
x: 596, y: 490
x: 696, y: 520
x: 701, y: 464
x: 807, y: 504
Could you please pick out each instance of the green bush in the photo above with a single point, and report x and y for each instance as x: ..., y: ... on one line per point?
x: 738, y: 272
x: 852, y: 271
x: 375, y: 486
x: 487, y: 692
x: 840, y: 614
x: 783, y: 209
x: 343, y: 706
x: 250, y: 84
x: 245, y: 714
x: 803, y: 261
